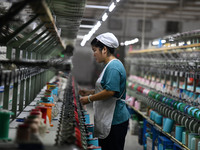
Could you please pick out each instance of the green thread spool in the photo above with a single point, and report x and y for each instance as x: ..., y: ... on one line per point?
x: 154, y: 95
x: 178, y: 105
x: 135, y: 87
x: 158, y: 96
x: 181, y: 108
x: 164, y: 99
x: 169, y: 101
x: 197, y: 114
x: 4, y: 124
x: 175, y: 105
x: 189, y: 112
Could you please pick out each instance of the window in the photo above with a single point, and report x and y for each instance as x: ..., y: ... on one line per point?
x: 172, y: 27
x: 148, y: 25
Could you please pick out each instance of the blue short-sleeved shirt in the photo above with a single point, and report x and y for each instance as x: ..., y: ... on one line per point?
x: 114, y: 79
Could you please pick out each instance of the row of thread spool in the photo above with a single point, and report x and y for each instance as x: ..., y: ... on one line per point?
x: 166, y: 99
x: 74, y: 124
x: 38, y: 123
x: 149, y: 136
x: 190, y: 37
x: 171, y: 123
x: 166, y: 105
x: 164, y: 108
x: 35, y: 125
x: 179, y: 94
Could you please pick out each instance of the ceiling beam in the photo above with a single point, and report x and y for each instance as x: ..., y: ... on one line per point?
x: 174, y: 8
x: 157, y: 1
x: 140, y: 11
x: 165, y: 16
x: 128, y: 7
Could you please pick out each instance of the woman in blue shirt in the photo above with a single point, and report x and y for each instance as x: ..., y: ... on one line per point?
x: 110, y: 113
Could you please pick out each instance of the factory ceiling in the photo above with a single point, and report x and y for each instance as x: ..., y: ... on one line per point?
x: 74, y: 18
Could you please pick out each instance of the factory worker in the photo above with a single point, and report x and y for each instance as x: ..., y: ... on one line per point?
x: 110, y: 113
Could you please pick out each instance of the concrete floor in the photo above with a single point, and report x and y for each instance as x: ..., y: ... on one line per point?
x: 131, y: 142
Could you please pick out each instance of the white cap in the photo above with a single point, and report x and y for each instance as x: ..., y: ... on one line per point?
x: 108, y: 39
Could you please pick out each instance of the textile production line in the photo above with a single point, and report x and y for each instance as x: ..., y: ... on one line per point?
x: 39, y: 105
x: 166, y: 81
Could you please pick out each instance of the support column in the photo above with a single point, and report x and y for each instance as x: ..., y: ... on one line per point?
x: 7, y: 86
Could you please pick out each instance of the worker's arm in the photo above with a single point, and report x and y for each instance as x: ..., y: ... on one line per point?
x: 105, y: 94
x: 84, y: 92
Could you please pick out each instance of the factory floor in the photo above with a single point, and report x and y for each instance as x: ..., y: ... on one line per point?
x: 131, y: 142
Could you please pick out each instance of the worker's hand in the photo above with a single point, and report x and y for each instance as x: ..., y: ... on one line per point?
x: 84, y: 100
x: 84, y: 92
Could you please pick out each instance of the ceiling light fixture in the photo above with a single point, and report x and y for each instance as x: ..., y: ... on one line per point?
x: 104, y: 17
x: 112, y: 7
x: 86, y: 26
x: 96, y: 27
x: 96, y: 6
x: 80, y: 36
x: 126, y: 43
x: 89, y: 35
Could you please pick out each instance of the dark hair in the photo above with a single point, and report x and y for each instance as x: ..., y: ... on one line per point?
x: 95, y: 42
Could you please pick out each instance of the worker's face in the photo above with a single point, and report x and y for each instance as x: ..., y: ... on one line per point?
x: 98, y: 54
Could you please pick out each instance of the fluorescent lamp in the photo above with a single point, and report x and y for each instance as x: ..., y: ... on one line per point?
x: 104, y: 17
x: 96, y: 27
x: 86, y: 26
x: 122, y: 44
x: 131, y: 41
x: 98, y: 24
x: 111, y: 7
x: 83, y: 43
x: 89, y: 35
x: 80, y: 36
x: 96, y: 6
x: 117, y: 1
